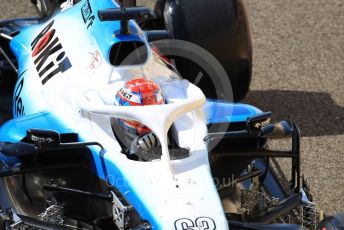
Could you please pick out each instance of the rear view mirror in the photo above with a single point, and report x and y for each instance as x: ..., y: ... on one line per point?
x: 40, y: 136
x: 256, y: 123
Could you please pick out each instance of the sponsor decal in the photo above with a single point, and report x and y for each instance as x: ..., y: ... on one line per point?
x: 42, y: 139
x: 96, y: 60
x: 87, y: 14
x: 49, y: 56
x: 262, y: 124
x: 19, y: 109
x: 125, y: 94
x: 200, y: 223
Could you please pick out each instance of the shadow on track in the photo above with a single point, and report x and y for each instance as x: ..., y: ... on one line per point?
x: 316, y: 113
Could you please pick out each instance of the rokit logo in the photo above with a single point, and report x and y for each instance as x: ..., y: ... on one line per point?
x: 49, y: 56
x: 96, y: 60
x: 201, y: 223
x: 125, y: 94
x: 87, y: 15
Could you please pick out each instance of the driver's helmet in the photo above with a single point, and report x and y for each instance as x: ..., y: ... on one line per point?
x: 138, y: 92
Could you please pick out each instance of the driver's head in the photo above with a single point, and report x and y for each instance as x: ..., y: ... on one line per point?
x: 138, y: 92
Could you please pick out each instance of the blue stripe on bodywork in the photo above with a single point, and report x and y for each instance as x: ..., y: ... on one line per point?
x: 102, y: 160
x: 221, y: 112
x: 15, y: 129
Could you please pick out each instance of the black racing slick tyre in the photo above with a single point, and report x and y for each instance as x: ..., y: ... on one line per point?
x: 332, y: 223
x: 219, y: 26
x: 159, y: 8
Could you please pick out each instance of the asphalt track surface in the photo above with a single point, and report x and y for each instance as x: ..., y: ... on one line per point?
x: 298, y: 73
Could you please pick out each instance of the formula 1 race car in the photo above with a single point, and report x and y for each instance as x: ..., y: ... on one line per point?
x: 64, y: 163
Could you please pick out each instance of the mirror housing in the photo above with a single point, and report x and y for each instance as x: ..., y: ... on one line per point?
x: 40, y: 136
x: 255, y: 123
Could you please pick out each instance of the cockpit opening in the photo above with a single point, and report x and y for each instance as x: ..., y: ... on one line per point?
x: 128, y: 53
x: 146, y: 148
